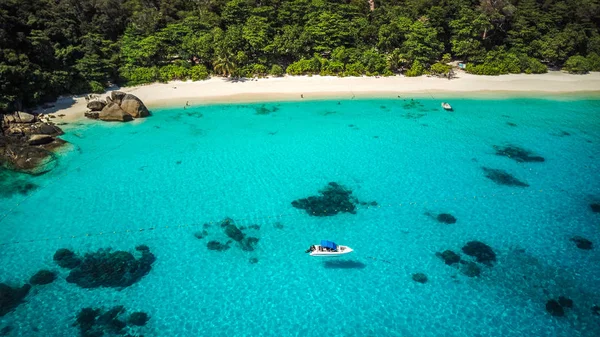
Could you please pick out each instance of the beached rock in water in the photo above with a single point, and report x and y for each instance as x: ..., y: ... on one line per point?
x: 27, y: 144
x: 105, y: 268
x: 43, y: 277
x: 446, y: 218
x: 335, y: 199
x: 66, y: 258
x: 134, y: 106
x: 138, y: 318
x: 582, y: 243
x: 10, y: 297
x: 449, y: 257
x: 92, y: 115
x: 96, y: 105
x: 113, y: 113
x: 470, y: 269
x: 419, y: 277
x: 517, y: 153
x: 501, y: 177
x: 554, y: 308
x: 216, y: 245
x: 482, y: 252
x: 595, y: 208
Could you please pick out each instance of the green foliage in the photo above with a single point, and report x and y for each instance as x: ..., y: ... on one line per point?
x: 417, y: 69
x: 48, y: 48
x: 594, y: 61
x: 96, y: 87
x: 198, y: 73
x: 276, y: 70
x: 578, y: 65
x: 440, y: 69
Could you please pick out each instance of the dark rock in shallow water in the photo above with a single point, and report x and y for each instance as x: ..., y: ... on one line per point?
x: 249, y: 243
x: 501, y: 177
x: 470, y: 269
x: 253, y: 260
x: 86, y: 319
x: 482, y: 252
x: 93, y: 322
x: 334, y: 199
x: 6, y: 330
x: 554, y: 308
x: 66, y: 258
x: 565, y: 302
x: 595, y: 208
x: 596, y: 310
x: 10, y: 297
x: 216, y: 245
x: 446, y: 218
x: 517, y: 153
x: 419, y: 277
x: 278, y: 225
x: 111, y: 269
x: 138, y: 318
x: 142, y: 248
x: 582, y: 243
x: 12, y: 183
x: 42, y: 277
x: 449, y: 257
x: 201, y: 234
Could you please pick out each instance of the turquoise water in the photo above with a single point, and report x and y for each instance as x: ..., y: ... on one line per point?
x: 179, y: 169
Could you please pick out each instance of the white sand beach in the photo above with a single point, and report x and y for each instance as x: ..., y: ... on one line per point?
x: 222, y: 90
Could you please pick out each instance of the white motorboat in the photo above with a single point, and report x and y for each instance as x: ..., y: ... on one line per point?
x: 446, y: 106
x: 328, y: 248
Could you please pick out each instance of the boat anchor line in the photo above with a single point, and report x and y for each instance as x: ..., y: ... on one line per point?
x: 262, y: 218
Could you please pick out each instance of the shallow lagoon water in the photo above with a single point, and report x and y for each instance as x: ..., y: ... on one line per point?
x: 158, y: 181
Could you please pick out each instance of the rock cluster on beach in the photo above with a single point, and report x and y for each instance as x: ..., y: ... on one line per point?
x: 27, y: 143
x: 334, y: 199
x: 119, y: 107
x: 97, y: 322
x: 105, y: 268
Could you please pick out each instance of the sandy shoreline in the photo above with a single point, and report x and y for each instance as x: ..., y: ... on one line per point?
x: 220, y: 90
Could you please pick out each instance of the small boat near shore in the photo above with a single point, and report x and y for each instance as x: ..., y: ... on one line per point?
x: 446, y: 106
x: 328, y: 248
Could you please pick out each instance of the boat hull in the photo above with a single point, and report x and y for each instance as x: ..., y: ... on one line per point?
x: 342, y: 250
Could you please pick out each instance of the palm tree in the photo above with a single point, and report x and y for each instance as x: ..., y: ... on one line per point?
x: 224, y: 65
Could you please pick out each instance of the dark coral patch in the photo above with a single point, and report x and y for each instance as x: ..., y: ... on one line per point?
x: 334, y: 199
x: 470, y: 269
x: 10, y: 297
x: 66, y: 258
x: 43, y: 277
x: 582, y: 243
x: 517, y: 153
x: 554, y: 308
x: 482, y: 252
x: 105, y: 268
x: 595, y: 207
x: 138, y: 318
x: 419, y: 277
x: 501, y: 177
x: 93, y: 322
x: 446, y: 218
x: 449, y: 257
x: 216, y: 245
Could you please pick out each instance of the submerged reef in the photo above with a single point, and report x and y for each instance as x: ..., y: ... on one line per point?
x: 582, y: 243
x: 517, y: 153
x: 11, y: 297
x: 233, y: 233
x: 43, y: 277
x: 334, y: 199
x: 449, y: 257
x: 419, y: 277
x: 595, y: 207
x: 12, y: 183
x: 95, y: 322
x: 482, y: 252
x: 444, y: 218
x: 105, y: 268
x: 502, y: 177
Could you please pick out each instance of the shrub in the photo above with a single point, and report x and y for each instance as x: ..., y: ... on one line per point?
x: 415, y: 70
x: 594, y: 61
x: 534, y: 66
x: 96, y: 87
x: 276, y: 70
x: 440, y: 69
x: 140, y: 75
x: 304, y: 67
x: 259, y: 70
x: 355, y: 69
x: 335, y: 67
x: 173, y: 72
x: 482, y: 69
x: 198, y: 73
x: 577, y: 65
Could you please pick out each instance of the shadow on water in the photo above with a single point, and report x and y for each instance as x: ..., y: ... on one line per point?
x: 344, y: 264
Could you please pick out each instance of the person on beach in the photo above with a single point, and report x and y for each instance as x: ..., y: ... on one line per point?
x: 301, y: 95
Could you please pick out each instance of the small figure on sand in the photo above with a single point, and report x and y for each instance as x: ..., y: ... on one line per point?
x: 187, y: 103
x: 301, y: 95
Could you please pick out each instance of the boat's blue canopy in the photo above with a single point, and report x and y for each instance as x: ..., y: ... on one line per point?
x: 328, y: 244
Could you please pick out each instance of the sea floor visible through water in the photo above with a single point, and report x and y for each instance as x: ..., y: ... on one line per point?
x: 162, y: 180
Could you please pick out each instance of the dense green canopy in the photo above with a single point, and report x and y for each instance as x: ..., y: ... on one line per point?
x: 51, y: 47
